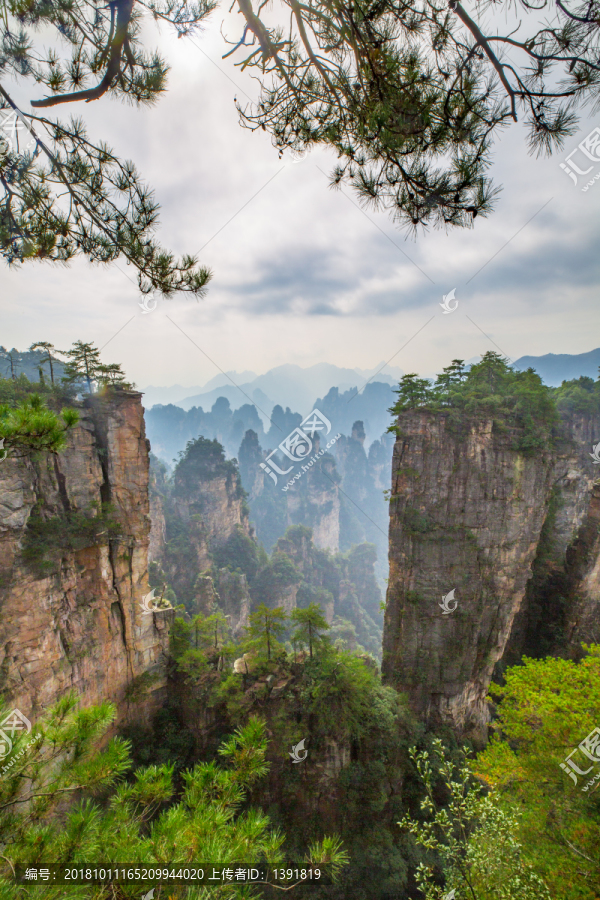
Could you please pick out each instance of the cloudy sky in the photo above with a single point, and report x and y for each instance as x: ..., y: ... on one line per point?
x: 301, y: 274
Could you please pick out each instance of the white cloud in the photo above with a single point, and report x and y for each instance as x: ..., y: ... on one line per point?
x: 300, y: 273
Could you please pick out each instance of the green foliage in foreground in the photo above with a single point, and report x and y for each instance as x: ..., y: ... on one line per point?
x: 29, y: 425
x: 473, y: 837
x: 546, y: 708
x: 138, y: 820
x: 518, y: 830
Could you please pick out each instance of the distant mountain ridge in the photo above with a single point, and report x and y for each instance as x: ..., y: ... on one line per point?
x: 554, y: 368
x: 286, y: 385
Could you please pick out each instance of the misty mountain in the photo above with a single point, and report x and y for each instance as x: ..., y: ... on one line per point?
x: 287, y: 385
x: 28, y: 363
x: 554, y: 368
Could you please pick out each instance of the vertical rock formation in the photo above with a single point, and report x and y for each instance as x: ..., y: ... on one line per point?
x: 561, y: 605
x: 466, y: 516
x: 314, y: 500
x: 204, y: 511
x: 74, y: 532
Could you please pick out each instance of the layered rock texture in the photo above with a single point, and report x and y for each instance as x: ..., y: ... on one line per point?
x: 74, y: 534
x: 193, y: 519
x: 472, y: 516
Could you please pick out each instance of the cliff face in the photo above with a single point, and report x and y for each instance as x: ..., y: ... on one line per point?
x: 466, y: 515
x: 70, y: 614
x: 314, y: 501
x: 194, y: 519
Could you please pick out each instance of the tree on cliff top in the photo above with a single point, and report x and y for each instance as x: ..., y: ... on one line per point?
x: 310, y: 622
x: 265, y: 628
x: 84, y: 365
x: 409, y: 95
x: 491, y: 388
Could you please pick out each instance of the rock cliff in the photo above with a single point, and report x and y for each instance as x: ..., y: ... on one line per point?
x: 74, y: 534
x: 467, y: 512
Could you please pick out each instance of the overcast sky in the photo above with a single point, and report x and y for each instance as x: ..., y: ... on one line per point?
x: 301, y: 274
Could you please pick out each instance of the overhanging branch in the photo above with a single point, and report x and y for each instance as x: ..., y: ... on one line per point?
x: 124, y: 11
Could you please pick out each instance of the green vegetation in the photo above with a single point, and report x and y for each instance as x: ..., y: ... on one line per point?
x: 310, y: 623
x: 265, y: 628
x: 49, y: 538
x: 202, y: 460
x: 83, y: 367
x: 581, y: 395
x: 546, y: 708
x: 239, y: 554
x: 29, y: 426
x: 514, y: 400
x: 469, y: 834
x: 357, y: 731
x: 132, y: 817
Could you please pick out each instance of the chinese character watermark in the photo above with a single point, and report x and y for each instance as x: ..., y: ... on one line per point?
x: 590, y: 748
x: 298, y: 445
x: 589, y: 148
x: 10, y: 126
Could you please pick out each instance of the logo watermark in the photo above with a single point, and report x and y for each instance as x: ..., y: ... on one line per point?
x: 145, y: 305
x: 590, y: 748
x: 310, y: 462
x: 295, y: 754
x: 446, y: 601
x: 150, y: 605
x: 4, y: 453
x: 14, y: 722
x: 589, y: 148
x: 10, y: 125
x: 447, y: 298
x: 298, y: 444
x: 596, y: 453
x: 450, y: 896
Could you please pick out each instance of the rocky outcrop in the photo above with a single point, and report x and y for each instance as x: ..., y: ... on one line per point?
x: 71, y: 589
x: 560, y: 608
x: 314, y: 501
x: 466, y: 515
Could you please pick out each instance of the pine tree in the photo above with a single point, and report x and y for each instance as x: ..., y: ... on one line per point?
x: 49, y: 348
x: 266, y: 626
x: 112, y: 375
x: 136, y: 821
x: 413, y: 392
x: 84, y: 363
x: 311, y: 622
x: 31, y: 426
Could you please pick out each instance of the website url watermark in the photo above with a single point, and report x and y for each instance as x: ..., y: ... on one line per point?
x: 304, y: 468
x: 298, y: 445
